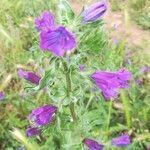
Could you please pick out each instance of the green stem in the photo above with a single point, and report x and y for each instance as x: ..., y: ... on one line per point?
x: 126, y: 106
x: 69, y: 89
x: 109, y: 115
x: 89, y: 101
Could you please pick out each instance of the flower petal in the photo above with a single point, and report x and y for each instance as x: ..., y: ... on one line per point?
x: 123, y: 140
x: 45, y: 22
x: 57, y: 41
x: 110, y: 82
x: 94, y: 12
x: 32, y: 131
x: 92, y: 145
x: 29, y: 76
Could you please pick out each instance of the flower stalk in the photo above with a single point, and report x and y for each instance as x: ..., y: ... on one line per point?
x: 109, y: 115
x: 69, y: 89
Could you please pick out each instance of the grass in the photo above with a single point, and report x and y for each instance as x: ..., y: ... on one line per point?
x: 138, y: 10
x: 143, y: 18
x: 97, y: 118
x: 115, y: 5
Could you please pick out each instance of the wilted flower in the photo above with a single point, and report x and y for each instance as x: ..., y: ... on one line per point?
x: 81, y: 67
x: 110, y: 82
x: 45, y: 22
x: 57, y: 41
x: 32, y: 131
x: 94, y: 12
x: 42, y: 115
x: 2, y: 95
x: 29, y: 76
x: 92, y: 145
x: 123, y: 140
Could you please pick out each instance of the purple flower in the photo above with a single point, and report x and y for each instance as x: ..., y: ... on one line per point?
x: 29, y: 76
x: 115, y: 26
x: 115, y: 41
x: 92, y: 145
x: 45, y: 22
x: 110, y: 82
x: 138, y: 81
x: 2, y: 95
x: 144, y: 69
x: 57, y: 41
x: 42, y: 115
x: 32, y: 131
x: 81, y: 67
x: 94, y: 12
x: 123, y: 140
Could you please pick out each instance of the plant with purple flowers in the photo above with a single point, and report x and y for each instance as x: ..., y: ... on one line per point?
x: 83, y: 78
x: 60, y: 42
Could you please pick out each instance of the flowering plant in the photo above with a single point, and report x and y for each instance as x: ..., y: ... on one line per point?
x: 73, y: 98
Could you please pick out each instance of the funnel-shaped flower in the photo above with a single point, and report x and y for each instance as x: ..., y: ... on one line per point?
x: 57, y: 41
x: 94, y: 12
x: 32, y: 131
x: 123, y: 140
x: 110, y: 82
x: 45, y: 22
x: 92, y: 145
x: 42, y: 115
x: 2, y: 95
x: 29, y: 76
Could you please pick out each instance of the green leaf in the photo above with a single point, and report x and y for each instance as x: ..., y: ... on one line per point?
x: 127, y: 108
x: 45, y: 81
x: 93, y: 38
x: 65, y: 12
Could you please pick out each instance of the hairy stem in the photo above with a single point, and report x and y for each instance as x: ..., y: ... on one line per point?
x: 126, y: 106
x: 69, y: 89
x: 109, y: 115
